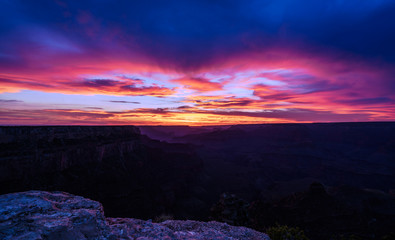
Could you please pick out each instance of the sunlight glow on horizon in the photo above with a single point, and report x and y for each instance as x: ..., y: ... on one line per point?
x: 91, y: 66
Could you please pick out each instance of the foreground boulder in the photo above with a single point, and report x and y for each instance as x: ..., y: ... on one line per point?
x: 59, y: 215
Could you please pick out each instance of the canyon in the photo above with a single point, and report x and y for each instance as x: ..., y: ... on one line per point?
x: 182, y: 172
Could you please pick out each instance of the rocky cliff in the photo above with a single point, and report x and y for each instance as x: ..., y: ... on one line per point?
x: 59, y: 215
x: 132, y: 175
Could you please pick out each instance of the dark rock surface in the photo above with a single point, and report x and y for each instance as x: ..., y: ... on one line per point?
x: 59, y: 215
x: 231, y: 210
x: 324, y: 214
x: 271, y: 165
x: 130, y: 174
x: 276, y: 160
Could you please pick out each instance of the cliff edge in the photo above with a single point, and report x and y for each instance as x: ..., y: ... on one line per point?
x: 60, y: 215
x: 130, y: 174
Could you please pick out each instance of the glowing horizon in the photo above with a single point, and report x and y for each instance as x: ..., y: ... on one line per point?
x: 96, y: 63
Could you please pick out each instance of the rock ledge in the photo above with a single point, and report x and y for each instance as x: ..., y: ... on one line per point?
x: 60, y: 215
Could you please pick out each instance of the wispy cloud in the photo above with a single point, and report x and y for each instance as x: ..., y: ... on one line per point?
x: 124, y: 102
x: 10, y: 101
x: 249, y: 62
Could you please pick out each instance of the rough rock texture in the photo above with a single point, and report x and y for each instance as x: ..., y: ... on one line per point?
x: 44, y: 215
x: 59, y: 215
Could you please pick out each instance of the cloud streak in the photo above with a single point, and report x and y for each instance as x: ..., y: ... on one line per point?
x: 124, y: 102
x: 178, y: 63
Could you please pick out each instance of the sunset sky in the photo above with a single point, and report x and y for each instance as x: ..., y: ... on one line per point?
x: 204, y: 62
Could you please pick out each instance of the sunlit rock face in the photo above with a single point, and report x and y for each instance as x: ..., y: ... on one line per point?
x: 60, y: 215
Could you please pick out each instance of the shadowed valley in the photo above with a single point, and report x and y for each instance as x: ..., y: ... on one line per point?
x: 328, y: 179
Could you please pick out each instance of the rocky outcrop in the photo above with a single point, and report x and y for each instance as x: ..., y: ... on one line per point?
x: 29, y: 151
x: 59, y: 215
x: 130, y: 174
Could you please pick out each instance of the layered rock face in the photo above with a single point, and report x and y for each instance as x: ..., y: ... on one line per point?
x: 29, y: 151
x: 59, y: 215
x: 130, y: 174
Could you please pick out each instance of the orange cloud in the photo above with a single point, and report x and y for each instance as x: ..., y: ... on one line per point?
x: 199, y: 84
x: 256, y: 87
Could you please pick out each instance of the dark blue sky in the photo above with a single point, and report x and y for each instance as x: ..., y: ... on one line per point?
x: 190, y: 33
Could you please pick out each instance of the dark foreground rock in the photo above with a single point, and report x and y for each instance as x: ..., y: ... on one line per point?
x: 59, y: 215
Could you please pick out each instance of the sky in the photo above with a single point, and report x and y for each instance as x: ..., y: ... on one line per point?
x: 204, y: 62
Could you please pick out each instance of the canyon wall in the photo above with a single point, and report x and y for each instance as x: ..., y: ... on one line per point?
x: 130, y: 174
